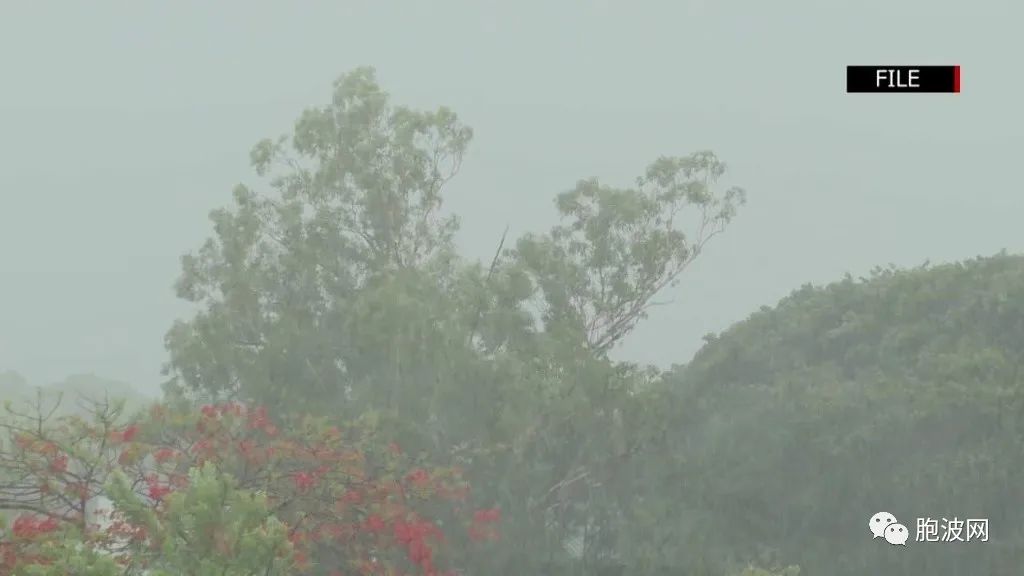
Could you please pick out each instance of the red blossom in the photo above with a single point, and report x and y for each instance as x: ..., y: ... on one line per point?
x: 304, y: 481
x: 231, y: 435
x: 164, y: 454
x: 421, y: 554
x: 483, y: 526
x: 158, y: 491
x: 30, y: 526
x: 258, y: 419
x: 59, y: 464
x: 129, y: 433
x: 487, y: 515
x: 126, y: 435
x: 374, y: 523
x: 418, y: 477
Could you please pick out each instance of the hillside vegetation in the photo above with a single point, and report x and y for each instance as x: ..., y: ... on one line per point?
x: 900, y: 392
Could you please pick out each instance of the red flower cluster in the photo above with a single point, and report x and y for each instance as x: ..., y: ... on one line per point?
x: 164, y: 454
x: 30, y: 526
x: 59, y: 464
x: 484, y: 526
x: 376, y: 520
x: 156, y: 489
x: 304, y: 481
x: 419, y: 478
x: 126, y: 435
x: 26, y: 530
x: 413, y: 535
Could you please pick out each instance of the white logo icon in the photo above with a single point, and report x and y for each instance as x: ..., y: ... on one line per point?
x: 879, y: 522
x: 896, y: 534
x: 884, y: 525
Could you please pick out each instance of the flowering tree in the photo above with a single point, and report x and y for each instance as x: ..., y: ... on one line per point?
x: 222, y: 490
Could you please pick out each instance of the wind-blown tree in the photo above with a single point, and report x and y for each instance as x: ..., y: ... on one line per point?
x: 617, y: 248
x: 339, y: 290
x: 356, y: 208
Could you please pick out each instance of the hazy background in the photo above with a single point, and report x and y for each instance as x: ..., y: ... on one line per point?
x: 122, y: 124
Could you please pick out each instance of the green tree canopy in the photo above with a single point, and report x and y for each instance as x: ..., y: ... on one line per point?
x: 897, y: 392
x: 336, y: 289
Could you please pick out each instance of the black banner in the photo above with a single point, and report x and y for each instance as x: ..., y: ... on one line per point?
x: 861, y: 79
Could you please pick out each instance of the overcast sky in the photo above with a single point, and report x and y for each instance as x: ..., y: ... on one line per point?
x: 122, y: 124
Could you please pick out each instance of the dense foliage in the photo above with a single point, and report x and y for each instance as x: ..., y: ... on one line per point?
x: 222, y: 490
x: 899, y: 392
x: 338, y: 290
x: 333, y: 293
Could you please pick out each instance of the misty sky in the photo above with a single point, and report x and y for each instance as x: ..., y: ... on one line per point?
x: 122, y: 124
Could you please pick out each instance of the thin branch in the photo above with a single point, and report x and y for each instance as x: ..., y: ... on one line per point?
x: 487, y: 281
